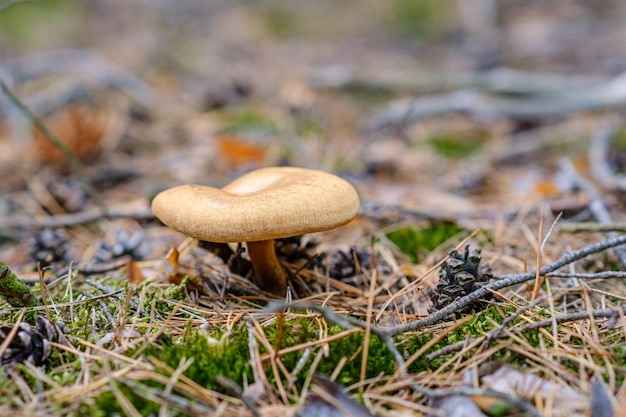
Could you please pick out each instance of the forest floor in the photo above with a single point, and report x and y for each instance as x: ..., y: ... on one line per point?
x: 484, y: 274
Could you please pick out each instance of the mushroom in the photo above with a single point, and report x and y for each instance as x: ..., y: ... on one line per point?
x: 260, y: 206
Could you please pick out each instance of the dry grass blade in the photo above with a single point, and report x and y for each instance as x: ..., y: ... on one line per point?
x: 368, y: 317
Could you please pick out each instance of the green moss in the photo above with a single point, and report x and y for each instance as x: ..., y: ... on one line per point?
x: 366, y: 96
x: 248, y: 120
x: 278, y: 19
x: 415, y: 241
x: 480, y: 324
x: 8, y: 390
x: 456, y: 146
x: 418, y: 18
x: 619, y: 141
x: 303, y: 330
x: 14, y: 291
x: 30, y: 22
x: 209, y: 361
x: 230, y: 356
x: 307, y: 126
x: 107, y: 404
x: 229, y: 360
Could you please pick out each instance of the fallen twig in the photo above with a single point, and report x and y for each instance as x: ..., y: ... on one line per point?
x: 605, y: 94
x: 85, y: 63
x: 496, y: 333
x: 595, y: 275
x: 592, y: 227
x: 500, y: 80
x: 234, y: 390
x: 68, y: 304
x: 502, y: 281
x: 72, y: 219
x: 580, y: 315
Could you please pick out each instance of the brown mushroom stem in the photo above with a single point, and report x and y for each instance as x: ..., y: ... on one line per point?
x: 268, y: 272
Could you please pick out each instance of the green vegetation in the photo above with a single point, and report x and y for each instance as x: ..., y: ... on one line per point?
x: 219, y: 352
x: 14, y: 291
x: 248, y: 120
x: 28, y: 22
x: 456, y: 146
x: 416, y: 242
x: 419, y: 18
x: 278, y: 19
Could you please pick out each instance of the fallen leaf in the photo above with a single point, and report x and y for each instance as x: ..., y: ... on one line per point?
x: 135, y: 276
x: 80, y: 127
x: 235, y: 152
x: 509, y: 381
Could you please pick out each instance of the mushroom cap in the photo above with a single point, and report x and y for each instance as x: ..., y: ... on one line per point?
x: 268, y: 203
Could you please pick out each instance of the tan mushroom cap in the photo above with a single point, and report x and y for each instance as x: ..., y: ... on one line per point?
x: 268, y: 203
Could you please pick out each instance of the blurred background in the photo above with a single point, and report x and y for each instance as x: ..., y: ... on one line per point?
x: 441, y: 106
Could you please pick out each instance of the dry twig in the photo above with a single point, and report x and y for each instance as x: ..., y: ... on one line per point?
x: 543, y: 104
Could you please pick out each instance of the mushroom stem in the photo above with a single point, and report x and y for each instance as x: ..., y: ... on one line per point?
x: 268, y: 272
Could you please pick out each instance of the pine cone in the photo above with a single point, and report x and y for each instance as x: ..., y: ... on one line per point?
x: 346, y: 264
x: 30, y: 345
x: 459, y: 276
x: 49, y: 247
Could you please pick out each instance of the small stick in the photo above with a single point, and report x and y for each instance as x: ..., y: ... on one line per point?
x: 232, y: 387
x: 592, y: 227
x: 368, y: 316
x: 595, y: 275
x: 72, y: 219
x: 500, y: 282
x: 538, y: 279
x: 496, y: 333
x: 539, y: 258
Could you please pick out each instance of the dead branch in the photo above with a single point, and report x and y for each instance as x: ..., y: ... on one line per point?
x: 87, y: 64
x: 498, y: 80
x: 609, y: 93
x: 73, y: 219
x: 596, y: 275
x: 496, y: 333
x: 501, y: 282
x: 592, y: 227
x: 580, y: 315
x: 115, y: 293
